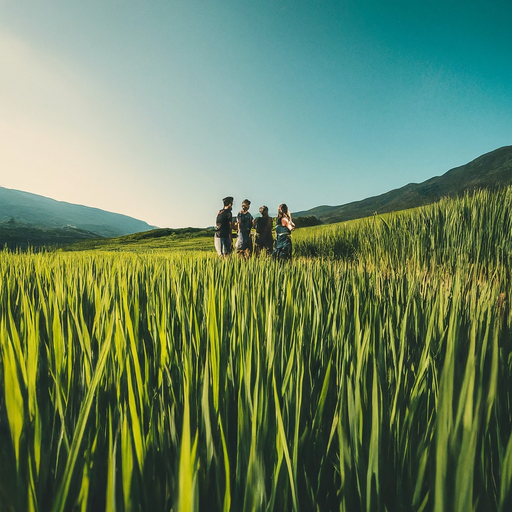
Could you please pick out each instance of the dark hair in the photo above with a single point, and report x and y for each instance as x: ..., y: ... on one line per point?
x: 264, y: 211
x: 228, y: 200
x: 283, y: 212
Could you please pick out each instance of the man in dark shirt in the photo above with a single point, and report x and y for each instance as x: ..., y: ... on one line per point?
x: 223, y: 238
x: 245, y: 223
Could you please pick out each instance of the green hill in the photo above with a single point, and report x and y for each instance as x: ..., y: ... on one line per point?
x: 491, y: 170
x: 184, y: 239
x: 14, y: 235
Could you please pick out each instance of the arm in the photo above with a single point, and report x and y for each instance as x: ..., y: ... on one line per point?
x: 230, y: 222
x: 288, y: 223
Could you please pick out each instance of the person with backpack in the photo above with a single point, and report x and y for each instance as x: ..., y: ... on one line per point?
x: 284, y: 228
x: 245, y: 223
x: 223, y: 238
x: 264, y: 224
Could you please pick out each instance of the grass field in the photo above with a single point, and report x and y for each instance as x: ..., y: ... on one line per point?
x: 374, y: 372
x: 186, y: 239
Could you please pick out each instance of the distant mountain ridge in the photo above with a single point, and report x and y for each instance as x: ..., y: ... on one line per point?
x: 489, y: 170
x: 41, y: 212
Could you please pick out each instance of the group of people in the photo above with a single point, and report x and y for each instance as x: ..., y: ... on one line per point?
x: 245, y: 222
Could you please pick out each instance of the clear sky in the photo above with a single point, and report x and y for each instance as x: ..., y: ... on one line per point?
x: 158, y: 109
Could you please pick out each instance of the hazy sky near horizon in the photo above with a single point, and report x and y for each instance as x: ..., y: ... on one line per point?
x: 158, y: 109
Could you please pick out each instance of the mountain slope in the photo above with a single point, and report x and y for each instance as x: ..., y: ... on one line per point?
x: 45, y: 213
x: 22, y: 236
x: 489, y: 170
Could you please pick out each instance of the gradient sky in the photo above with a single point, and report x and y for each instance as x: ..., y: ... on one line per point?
x: 158, y: 109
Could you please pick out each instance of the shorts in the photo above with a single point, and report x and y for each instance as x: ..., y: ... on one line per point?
x: 222, y: 245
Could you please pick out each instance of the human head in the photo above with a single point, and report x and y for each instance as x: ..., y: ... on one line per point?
x: 228, y: 200
x: 264, y: 211
x: 246, y: 204
x: 282, y: 211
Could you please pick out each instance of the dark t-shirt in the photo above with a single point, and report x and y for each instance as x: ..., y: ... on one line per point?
x: 244, y: 222
x: 264, y: 231
x: 223, y: 223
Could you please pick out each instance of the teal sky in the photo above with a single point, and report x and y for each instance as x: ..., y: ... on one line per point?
x: 159, y: 108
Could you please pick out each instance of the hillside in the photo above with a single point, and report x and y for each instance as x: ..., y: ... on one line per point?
x: 14, y: 235
x: 183, y: 239
x: 41, y: 212
x: 491, y: 170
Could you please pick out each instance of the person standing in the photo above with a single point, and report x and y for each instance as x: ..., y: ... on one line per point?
x: 223, y: 238
x: 245, y: 223
x: 284, y: 228
x: 264, y: 224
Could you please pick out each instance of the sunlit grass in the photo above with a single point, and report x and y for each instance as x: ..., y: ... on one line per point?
x: 378, y: 379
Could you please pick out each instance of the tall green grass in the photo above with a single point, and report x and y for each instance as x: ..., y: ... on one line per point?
x: 475, y: 228
x: 381, y: 381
